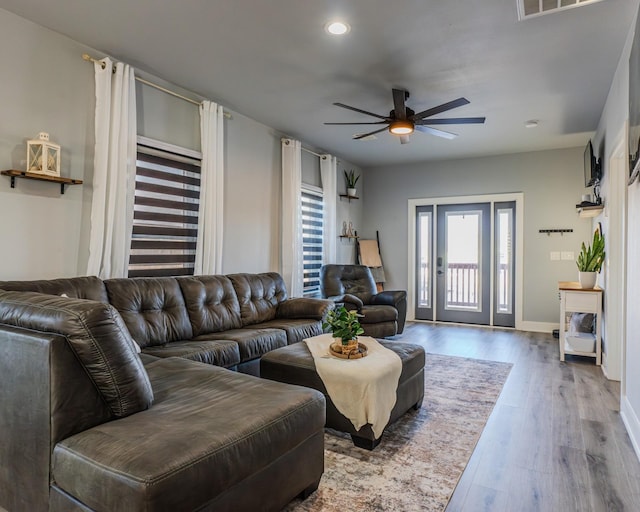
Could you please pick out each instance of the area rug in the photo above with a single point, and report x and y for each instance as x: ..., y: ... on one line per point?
x: 422, y: 456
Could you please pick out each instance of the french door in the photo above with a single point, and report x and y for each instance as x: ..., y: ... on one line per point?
x: 465, y: 263
x: 463, y: 252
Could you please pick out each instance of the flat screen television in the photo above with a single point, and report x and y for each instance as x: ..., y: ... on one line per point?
x: 634, y: 105
x: 591, y: 167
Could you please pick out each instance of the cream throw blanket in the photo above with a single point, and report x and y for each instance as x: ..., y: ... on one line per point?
x: 363, y: 390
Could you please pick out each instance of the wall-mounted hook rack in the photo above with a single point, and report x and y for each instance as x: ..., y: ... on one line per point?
x: 561, y: 231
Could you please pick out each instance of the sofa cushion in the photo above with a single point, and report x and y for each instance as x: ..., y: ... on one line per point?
x: 259, y: 295
x: 89, y: 287
x: 96, y: 334
x: 218, y: 352
x: 184, y: 443
x: 153, y: 309
x: 212, y: 303
x: 252, y: 343
x: 296, y: 329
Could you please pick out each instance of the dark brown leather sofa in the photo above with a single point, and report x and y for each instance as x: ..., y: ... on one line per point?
x: 87, y: 423
x: 383, y: 314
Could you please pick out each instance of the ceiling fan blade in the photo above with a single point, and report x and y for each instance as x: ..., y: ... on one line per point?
x: 373, y: 122
x: 436, y: 132
x: 363, y: 135
x: 359, y: 110
x: 453, y: 120
x: 405, y: 139
x: 441, y: 108
x: 399, y: 108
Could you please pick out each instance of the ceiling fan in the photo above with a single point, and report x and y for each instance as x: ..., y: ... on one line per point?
x: 403, y: 121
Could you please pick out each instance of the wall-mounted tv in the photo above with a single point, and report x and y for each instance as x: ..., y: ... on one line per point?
x: 634, y: 105
x: 592, y: 174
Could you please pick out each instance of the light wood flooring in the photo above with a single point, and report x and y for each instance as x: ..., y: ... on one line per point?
x: 555, y: 440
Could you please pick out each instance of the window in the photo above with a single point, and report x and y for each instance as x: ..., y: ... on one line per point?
x: 165, y: 217
x: 312, y: 206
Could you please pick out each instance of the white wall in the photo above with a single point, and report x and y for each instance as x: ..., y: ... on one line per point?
x: 552, y: 183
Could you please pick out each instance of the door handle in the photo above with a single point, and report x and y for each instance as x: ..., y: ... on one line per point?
x: 440, y: 272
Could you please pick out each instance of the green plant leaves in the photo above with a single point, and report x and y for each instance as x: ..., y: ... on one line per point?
x: 351, y: 178
x: 592, y: 257
x: 343, y: 324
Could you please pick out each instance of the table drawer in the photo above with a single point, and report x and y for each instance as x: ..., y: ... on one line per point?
x: 581, y: 302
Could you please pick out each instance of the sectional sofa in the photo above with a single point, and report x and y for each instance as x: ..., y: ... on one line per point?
x: 105, y: 403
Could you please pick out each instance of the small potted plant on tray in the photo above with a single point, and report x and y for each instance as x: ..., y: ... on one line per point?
x: 351, y: 179
x: 345, y: 325
x: 590, y: 260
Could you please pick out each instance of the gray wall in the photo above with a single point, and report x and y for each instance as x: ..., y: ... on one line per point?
x: 45, y: 235
x: 552, y: 183
x: 611, y: 124
x: 45, y: 86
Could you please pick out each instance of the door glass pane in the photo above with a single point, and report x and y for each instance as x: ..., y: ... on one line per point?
x: 504, y: 272
x: 424, y: 259
x: 463, y: 260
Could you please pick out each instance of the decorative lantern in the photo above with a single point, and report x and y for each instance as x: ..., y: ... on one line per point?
x: 43, y: 156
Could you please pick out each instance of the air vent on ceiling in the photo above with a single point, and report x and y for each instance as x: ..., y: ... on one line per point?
x: 530, y: 8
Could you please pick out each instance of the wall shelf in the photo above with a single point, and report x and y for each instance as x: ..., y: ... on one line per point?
x: 347, y: 196
x: 590, y: 211
x: 40, y: 177
x: 349, y: 236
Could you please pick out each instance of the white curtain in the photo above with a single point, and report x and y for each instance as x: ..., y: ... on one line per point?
x: 291, y: 216
x: 329, y: 177
x: 209, y: 243
x: 114, y: 166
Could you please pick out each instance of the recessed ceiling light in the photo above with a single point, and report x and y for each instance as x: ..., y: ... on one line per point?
x: 337, y: 28
x: 531, y: 123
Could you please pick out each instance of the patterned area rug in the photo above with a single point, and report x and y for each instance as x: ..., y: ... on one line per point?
x: 418, y: 463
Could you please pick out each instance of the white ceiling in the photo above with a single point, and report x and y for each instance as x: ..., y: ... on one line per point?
x: 272, y: 61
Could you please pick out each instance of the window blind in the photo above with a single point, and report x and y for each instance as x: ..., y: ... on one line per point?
x: 165, y: 217
x: 312, y: 235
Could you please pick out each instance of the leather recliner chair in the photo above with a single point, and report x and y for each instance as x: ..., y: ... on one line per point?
x: 353, y: 286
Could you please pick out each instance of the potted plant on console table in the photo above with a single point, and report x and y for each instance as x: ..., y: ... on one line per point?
x: 346, y: 326
x: 590, y: 260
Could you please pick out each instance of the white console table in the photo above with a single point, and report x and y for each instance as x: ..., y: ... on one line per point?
x: 575, y: 299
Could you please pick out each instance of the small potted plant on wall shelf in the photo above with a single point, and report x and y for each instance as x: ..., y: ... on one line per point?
x: 590, y: 260
x: 351, y: 179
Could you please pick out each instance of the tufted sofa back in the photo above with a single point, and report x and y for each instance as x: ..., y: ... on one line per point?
x: 211, y: 302
x: 356, y: 280
x: 97, y: 336
x: 153, y: 309
x: 90, y: 287
x: 258, y: 295
x: 160, y: 310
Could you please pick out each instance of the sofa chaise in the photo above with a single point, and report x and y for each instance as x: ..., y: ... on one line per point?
x: 88, y: 423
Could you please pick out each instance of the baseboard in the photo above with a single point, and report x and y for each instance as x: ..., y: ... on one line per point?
x: 526, y: 325
x: 631, y: 421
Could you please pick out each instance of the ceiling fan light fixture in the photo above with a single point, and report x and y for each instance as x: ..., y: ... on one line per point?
x: 337, y: 27
x: 401, y: 127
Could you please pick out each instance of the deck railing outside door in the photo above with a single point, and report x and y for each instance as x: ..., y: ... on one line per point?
x: 462, y: 283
